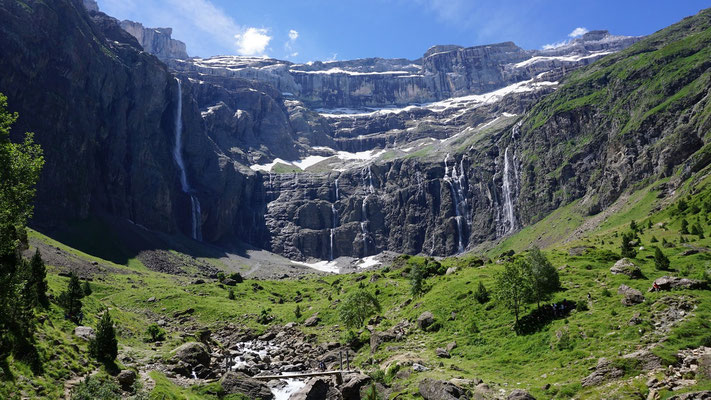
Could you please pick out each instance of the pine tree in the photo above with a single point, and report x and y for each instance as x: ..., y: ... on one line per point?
x: 297, y: 312
x: 70, y: 299
x: 38, y: 279
x: 684, y: 227
x: 697, y: 230
x: 86, y: 288
x: 481, y: 294
x: 105, y: 346
x: 661, y: 262
x: 627, y: 249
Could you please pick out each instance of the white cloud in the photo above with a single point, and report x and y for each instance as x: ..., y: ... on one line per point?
x: 253, y: 41
x: 579, y: 31
x: 294, y: 54
x: 293, y: 35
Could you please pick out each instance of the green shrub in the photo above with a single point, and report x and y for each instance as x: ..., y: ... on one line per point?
x: 95, y: 388
x: 155, y: 333
x: 481, y: 295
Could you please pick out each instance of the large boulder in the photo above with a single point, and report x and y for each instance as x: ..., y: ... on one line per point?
x: 312, y: 320
x: 239, y: 383
x: 630, y: 296
x: 625, y: 266
x: 192, y: 354
x: 432, y: 389
x: 674, y: 282
x: 126, y: 378
x: 315, y: 389
x: 85, y: 332
x: 519, y: 394
x: 425, y: 320
x: 351, y: 389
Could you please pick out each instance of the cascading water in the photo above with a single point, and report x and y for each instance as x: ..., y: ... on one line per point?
x: 334, y: 212
x: 509, y: 187
x: 196, y: 217
x: 456, y: 183
x: 364, y: 224
x: 336, y: 185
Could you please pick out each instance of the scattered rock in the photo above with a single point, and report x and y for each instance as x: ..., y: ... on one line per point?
x: 151, y: 300
x: 603, y: 371
x: 519, y: 394
x: 635, y: 320
x: 229, y: 282
x: 451, y: 346
x: 703, y: 395
x: 432, y: 389
x: 126, y: 379
x: 425, y: 320
x: 630, y: 296
x: 312, y: 320
x: 451, y: 270
x: 625, y: 266
x: 85, y: 332
x: 673, y: 282
x: 237, y: 382
x: 442, y: 353
x: 419, y: 367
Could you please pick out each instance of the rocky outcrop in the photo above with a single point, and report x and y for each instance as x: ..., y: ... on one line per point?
x: 625, y: 266
x: 239, y: 383
x: 431, y: 389
x: 156, y: 41
x: 676, y: 283
x: 605, y: 370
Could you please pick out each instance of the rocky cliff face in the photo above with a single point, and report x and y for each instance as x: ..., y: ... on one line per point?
x: 443, y: 72
x: 156, y: 41
x: 260, y: 164
x: 104, y: 113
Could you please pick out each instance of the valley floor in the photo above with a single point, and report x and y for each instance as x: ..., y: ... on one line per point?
x: 597, y: 348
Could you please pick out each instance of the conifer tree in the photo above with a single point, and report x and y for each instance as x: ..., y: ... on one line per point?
x: 105, y: 346
x: 38, y: 279
x: 70, y: 299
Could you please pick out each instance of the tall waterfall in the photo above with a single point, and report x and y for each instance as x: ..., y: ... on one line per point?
x: 336, y: 185
x: 364, y: 224
x: 456, y: 182
x: 196, y: 217
x: 509, y: 188
x: 334, y: 213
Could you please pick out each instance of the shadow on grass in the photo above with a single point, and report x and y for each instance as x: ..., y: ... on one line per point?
x: 540, y: 317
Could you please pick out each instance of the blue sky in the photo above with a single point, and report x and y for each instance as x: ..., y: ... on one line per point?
x: 308, y: 30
